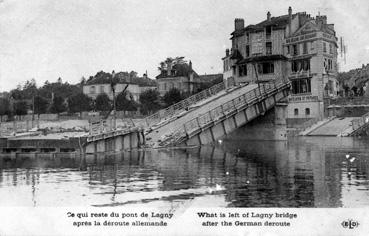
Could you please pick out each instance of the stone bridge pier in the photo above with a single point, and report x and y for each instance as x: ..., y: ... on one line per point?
x: 115, y: 141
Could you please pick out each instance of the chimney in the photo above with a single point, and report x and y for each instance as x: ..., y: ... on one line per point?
x: 227, y: 52
x: 190, y: 64
x: 268, y: 16
x: 289, y: 21
x: 239, y: 24
x: 321, y: 19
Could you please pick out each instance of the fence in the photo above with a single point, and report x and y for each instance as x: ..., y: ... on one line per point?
x: 357, y: 123
x: 219, y: 112
x: 182, y: 105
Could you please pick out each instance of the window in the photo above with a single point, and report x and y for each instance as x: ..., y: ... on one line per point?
x: 92, y: 89
x: 268, y: 48
x: 304, y: 48
x: 300, y: 65
x: 331, y: 48
x: 305, y: 65
x: 242, y: 70
x: 301, y: 86
x: 266, y: 68
x: 294, y: 50
x: 324, y: 47
x: 328, y: 64
x: 268, y: 32
x: 288, y: 49
x: 296, y: 112
x: 247, y: 50
x: 307, y: 111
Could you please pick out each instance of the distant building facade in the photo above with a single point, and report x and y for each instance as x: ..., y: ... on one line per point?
x: 184, y: 78
x: 102, y: 84
x: 180, y: 76
x: 295, y: 46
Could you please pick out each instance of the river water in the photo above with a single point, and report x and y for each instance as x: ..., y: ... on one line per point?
x: 302, y: 172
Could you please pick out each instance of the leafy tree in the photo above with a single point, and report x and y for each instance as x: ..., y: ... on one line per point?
x: 28, y: 91
x: 79, y: 102
x: 150, y: 101
x: 103, y: 103
x: 57, y: 105
x: 20, y: 108
x: 172, y: 96
x: 4, y: 107
x: 40, y: 105
x: 83, y: 81
x: 125, y: 104
x: 170, y: 62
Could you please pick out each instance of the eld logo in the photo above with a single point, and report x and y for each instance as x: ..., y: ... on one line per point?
x: 350, y: 224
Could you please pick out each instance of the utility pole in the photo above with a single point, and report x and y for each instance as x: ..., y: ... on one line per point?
x: 257, y: 76
x: 114, y: 103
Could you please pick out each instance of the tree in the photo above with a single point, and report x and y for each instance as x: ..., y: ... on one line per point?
x: 150, y: 101
x: 103, y: 103
x: 20, y: 108
x: 170, y: 62
x: 4, y: 107
x: 59, y: 90
x: 172, y: 96
x: 28, y: 91
x: 125, y: 104
x: 83, y: 81
x: 79, y: 102
x: 57, y: 105
x: 40, y: 105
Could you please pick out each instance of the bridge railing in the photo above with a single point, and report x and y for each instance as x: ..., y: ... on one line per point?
x: 224, y: 109
x: 182, y: 105
x: 357, y: 123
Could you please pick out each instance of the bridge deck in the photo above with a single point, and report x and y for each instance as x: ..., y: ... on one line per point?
x: 336, y: 127
x: 159, y: 134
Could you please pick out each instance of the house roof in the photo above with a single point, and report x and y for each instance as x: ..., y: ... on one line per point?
x: 120, y: 77
x: 179, y: 70
x: 277, y: 22
x: 210, y: 78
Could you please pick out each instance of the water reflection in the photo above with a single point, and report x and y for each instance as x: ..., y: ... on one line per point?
x: 309, y: 172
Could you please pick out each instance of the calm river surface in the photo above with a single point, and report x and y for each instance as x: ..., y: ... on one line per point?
x: 303, y: 172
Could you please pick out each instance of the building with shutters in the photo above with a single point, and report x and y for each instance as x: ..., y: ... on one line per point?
x: 295, y: 46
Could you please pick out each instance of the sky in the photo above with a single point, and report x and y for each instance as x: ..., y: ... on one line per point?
x: 48, y: 39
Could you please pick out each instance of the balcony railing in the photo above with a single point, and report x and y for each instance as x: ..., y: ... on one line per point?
x: 358, y: 123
